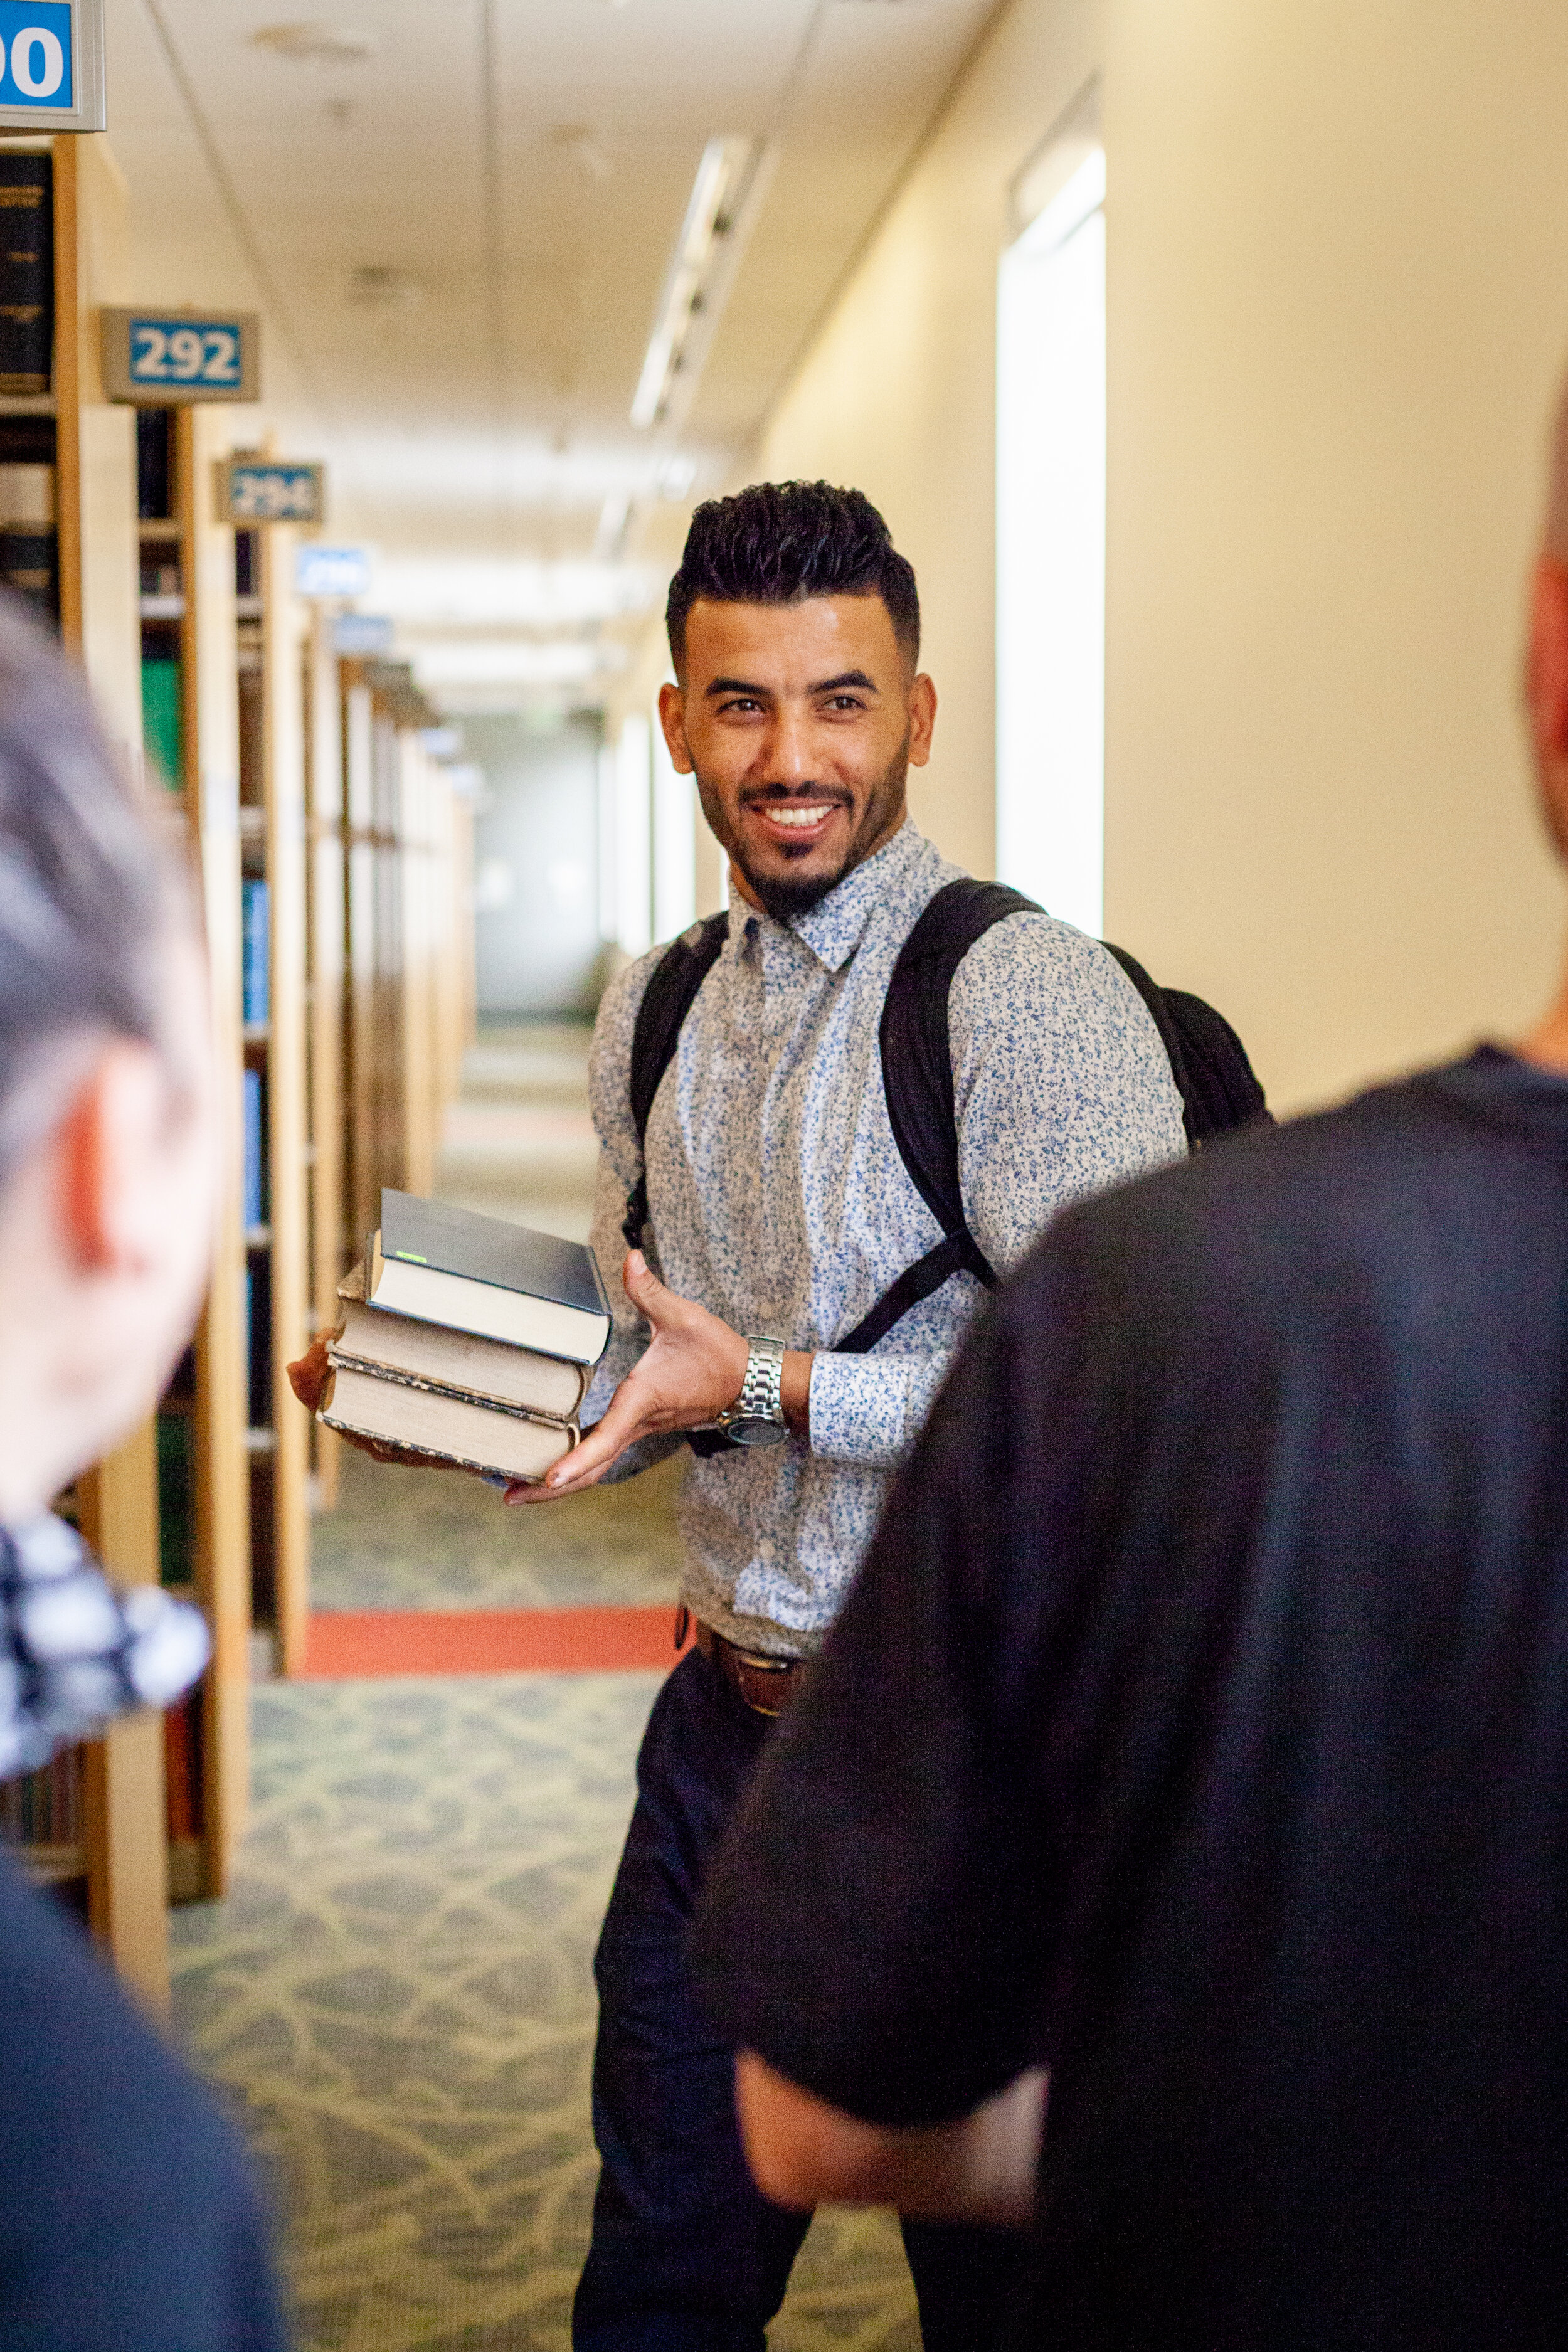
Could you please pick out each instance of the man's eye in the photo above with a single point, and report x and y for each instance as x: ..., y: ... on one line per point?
x: 847, y: 702
x: 741, y: 703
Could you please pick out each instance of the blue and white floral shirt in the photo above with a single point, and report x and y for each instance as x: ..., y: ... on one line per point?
x: 777, y: 1197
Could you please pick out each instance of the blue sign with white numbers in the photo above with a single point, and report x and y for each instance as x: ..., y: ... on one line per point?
x: 269, y: 489
x: 158, y: 357
x: 165, y: 351
x: 36, y: 36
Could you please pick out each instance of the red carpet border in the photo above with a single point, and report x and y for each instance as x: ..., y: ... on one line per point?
x: 349, y: 1646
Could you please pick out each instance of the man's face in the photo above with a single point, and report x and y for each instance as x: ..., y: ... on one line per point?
x: 800, y: 723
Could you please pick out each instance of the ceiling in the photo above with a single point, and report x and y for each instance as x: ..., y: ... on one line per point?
x: 456, y: 218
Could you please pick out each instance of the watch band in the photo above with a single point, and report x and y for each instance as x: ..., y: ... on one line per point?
x: 761, y: 1390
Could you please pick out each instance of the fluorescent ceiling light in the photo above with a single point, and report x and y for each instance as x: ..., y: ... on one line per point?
x: 722, y: 182
x: 490, y: 592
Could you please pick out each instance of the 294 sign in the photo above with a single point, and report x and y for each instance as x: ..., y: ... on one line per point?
x: 156, y: 359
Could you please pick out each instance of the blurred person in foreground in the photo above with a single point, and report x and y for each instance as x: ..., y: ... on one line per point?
x: 128, y: 2215
x: 1196, y: 1737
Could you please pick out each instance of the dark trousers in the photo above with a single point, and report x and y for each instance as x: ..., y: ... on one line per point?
x: 686, y: 2255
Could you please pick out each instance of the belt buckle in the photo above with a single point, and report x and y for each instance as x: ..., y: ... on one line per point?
x: 752, y: 1662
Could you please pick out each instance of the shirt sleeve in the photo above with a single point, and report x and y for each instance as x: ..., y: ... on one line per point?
x: 619, y: 1167
x: 1062, y: 1086
x: 877, y: 1922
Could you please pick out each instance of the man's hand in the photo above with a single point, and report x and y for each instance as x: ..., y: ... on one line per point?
x: 308, y: 1376
x: 692, y: 1368
x: 804, y: 2153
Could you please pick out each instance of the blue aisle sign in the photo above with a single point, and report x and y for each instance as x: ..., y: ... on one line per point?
x: 362, y: 634
x: 331, y: 570
x: 269, y: 489
x: 161, y: 358
x: 51, y: 65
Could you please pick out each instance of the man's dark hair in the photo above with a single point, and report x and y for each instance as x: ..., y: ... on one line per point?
x: 779, y: 543
x: 86, y: 888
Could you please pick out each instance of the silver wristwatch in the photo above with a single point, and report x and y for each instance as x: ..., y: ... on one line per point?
x: 756, y: 1417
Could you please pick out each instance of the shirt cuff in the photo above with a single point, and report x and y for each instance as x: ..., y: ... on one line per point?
x: 869, y: 1409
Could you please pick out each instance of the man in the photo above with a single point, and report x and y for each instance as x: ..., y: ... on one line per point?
x: 779, y: 1210
x: 1198, y: 1732
x: 128, y: 2215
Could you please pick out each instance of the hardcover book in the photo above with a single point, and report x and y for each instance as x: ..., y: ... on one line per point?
x: 429, y: 1355
x: 487, y: 1276
x: 447, y: 1429
x: 26, y: 273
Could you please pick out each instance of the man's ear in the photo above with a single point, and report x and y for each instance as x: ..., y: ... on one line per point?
x: 672, y: 719
x: 923, y: 719
x: 1547, y: 680
x: 105, y: 1150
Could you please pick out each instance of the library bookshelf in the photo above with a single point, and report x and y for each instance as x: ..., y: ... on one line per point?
x: 408, y: 995
x: 93, y: 1824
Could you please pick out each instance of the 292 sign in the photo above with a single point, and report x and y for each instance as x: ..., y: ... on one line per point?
x: 169, y: 351
x: 158, y: 360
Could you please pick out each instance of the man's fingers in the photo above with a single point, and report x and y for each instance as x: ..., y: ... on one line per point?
x: 644, y: 1288
x: 308, y: 1374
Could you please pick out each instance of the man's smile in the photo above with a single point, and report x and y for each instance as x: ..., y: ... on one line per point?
x: 792, y: 826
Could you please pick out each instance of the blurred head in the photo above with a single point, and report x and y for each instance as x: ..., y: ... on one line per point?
x: 795, y: 633
x: 107, y: 1128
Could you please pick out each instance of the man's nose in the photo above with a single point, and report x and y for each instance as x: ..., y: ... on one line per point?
x: 789, y: 760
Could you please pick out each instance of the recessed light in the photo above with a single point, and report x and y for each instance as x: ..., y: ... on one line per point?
x: 374, y: 287
x: 328, y: 43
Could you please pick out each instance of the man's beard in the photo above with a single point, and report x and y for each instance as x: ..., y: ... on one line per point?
x: 784, y: 896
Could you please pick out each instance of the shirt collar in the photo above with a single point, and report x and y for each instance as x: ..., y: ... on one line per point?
x: 834, y: 928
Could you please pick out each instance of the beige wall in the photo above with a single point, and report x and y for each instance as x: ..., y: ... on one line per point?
x: 1339, y: 298
x: 896, y: 394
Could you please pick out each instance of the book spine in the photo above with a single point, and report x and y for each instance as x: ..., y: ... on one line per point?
x: 163, y: 718
x: 254, y: 1193
x: 256, y: 975
x: 26, y: 273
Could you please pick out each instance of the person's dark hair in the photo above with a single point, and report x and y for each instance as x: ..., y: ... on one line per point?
x: 779, y: 543
x: 86, y: 888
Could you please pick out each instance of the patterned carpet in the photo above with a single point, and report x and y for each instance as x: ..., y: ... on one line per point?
x: 397, y: 1999
x: 440, y: 1539
x: 398, y: 1996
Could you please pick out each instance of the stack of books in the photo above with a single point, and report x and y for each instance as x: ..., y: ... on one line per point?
x: 466, y: 1340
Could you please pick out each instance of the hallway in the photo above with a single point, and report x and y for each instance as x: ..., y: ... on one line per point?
x: 397, y: 1994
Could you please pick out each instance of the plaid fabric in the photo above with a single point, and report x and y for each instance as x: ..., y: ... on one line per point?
x: 74, y: 1652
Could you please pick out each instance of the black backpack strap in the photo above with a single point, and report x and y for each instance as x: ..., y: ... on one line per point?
x: 917, y: 1076
x: 667, y: 1000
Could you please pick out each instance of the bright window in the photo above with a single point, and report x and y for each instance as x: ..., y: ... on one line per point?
x: 1050, y: 544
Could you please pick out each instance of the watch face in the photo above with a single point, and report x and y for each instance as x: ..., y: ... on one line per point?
x: 751, y: 1429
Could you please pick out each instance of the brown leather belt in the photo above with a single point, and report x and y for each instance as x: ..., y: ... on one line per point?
x: 767, y: 1685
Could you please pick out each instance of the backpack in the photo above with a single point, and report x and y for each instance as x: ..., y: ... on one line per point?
x: 1208, y: 1062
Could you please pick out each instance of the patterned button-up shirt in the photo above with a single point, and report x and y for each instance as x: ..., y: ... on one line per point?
x: 777, y: 1197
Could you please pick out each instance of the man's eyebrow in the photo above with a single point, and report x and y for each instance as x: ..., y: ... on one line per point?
x: 736, y: 685
x: 847, y: 678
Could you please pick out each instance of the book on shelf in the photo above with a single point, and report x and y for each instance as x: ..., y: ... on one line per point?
x: 162, y: 717
x: 256, y: 981
x: 487, y: 1276
x: 182, y: 1766
x: 44, y: 1809
x: 26, y: 273
x: 253, y: 1187
x: 454, y: 1430
x: 154, y: 464
x: 30, y: 543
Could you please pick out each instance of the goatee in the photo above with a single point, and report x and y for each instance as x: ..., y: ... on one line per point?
x: 784, y: 897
